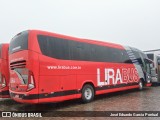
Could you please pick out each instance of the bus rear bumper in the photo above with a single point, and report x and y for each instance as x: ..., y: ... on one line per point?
x: 26, y: 101
x: 23, y: 98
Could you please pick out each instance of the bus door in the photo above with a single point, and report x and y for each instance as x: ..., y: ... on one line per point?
x: 150, y: 69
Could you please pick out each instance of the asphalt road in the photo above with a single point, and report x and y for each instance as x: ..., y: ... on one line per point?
x: 131, y: 100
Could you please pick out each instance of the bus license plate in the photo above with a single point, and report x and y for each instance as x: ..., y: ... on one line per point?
x: 16, y: 96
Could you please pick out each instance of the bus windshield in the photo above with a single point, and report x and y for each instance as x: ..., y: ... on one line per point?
x: 150, y: 56
x: 19, y: 42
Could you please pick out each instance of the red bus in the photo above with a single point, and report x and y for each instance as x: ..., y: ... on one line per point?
x: 49, y: 67
x: 4, y: 71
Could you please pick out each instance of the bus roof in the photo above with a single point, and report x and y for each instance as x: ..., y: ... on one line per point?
x: 152, y: 50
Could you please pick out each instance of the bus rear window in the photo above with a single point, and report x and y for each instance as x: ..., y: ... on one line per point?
x: 150, y: 56
x: 19, y: 42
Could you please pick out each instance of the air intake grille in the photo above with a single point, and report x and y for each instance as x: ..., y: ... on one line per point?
x: 18, y: 64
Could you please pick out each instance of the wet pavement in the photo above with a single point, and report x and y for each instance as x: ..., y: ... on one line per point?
x: 131, y: 100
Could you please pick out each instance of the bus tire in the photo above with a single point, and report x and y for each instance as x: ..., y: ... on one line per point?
x: 140, y: 85
x: 87, y: 93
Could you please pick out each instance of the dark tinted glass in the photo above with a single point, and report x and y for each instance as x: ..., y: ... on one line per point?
x: 125, y: 57
x: 150, y: 56
x: 19, y: 42
x: 137, y: 55
x: 73, y: 50
x: 0, y: 50
x: 54, y: 47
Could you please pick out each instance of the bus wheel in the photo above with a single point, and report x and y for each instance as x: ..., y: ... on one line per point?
x: 140, y: 85
x: 87, y: 93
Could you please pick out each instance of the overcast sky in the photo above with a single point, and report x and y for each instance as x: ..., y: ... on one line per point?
x: 128, y: 22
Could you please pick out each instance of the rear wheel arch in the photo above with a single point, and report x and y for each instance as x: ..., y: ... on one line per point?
x: 87, y: 92
x: 90, y: 83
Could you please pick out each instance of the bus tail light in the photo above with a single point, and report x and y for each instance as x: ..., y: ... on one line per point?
x: 31, y: 83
